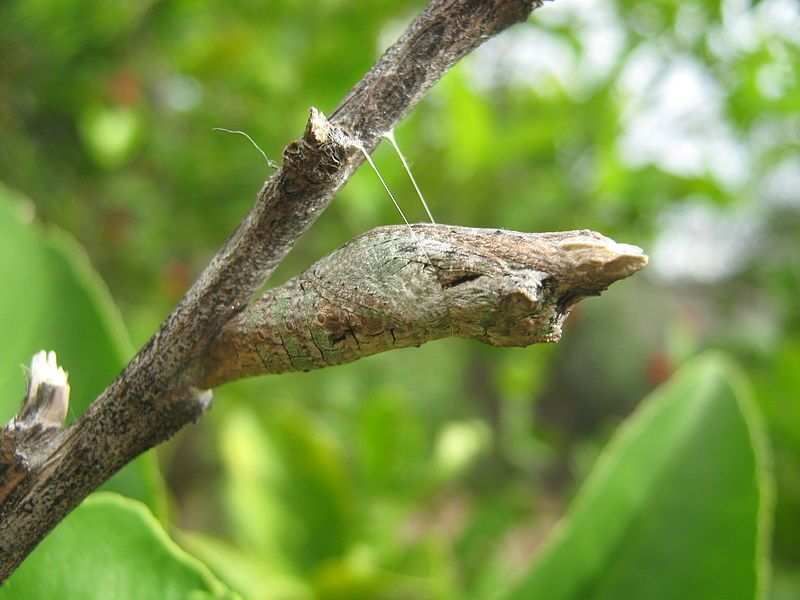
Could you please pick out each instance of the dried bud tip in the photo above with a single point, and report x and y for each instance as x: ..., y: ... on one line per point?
x: 47, y: 398
x: 318, y: 128
x: 45, y: 369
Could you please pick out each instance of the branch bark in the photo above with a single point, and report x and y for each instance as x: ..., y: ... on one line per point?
x: 158, y: 391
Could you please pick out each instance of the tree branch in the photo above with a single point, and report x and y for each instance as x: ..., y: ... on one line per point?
x: 393, y: 288
x: 156, y: 394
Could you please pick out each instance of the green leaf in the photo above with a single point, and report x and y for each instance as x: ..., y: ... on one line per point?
x: 53, y: 300
x: 392, y: 445
x: 243, y: 572
x: 676, y: 506
x: 111, y: 547
x: 288, y: 490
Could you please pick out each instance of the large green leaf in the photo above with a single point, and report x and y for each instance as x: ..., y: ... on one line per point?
x: 53, y: 300
x: 676, y: 507
x: 111, y: 548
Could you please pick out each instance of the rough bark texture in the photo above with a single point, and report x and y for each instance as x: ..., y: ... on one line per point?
x: 395, y: 287
x: 157, y: 393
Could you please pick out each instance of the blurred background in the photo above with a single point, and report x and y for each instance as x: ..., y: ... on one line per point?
x: 671, y: 125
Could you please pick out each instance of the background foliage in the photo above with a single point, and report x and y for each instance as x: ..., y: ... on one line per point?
x: 433, y: 472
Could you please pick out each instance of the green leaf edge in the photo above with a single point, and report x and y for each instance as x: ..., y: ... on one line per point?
x: 765, y: 478
x: 648, y: 410
x: 150, y: 521
x: 78, y: 260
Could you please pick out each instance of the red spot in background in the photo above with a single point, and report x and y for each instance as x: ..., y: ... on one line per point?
x: 117, y: 226
x: 124, y: 88
x: 176, y: 278
x: 659, y: 368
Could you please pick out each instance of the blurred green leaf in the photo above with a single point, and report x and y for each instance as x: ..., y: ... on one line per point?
x: 111, y: 134
x: 676, y: 507
x: 392, y: 443
x: 777, y: 385
x: 288, y: 488
x: 53, y: 300
x: 111, y: 547
x: 459, y: 444
x: 244, y: 572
